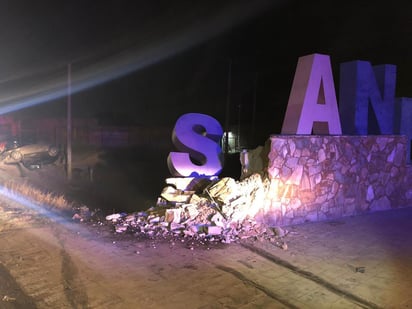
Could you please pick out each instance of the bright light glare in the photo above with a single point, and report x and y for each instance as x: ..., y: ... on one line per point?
x: 15, y: 197
x: 134, y: 60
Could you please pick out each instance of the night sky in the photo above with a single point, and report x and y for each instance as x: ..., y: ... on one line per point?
x: 148, y: 62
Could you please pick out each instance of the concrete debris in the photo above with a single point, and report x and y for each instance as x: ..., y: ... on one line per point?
x: 121, y: 228
x: 357, y: 269
x: 82, y: 213
x: 224, y: 190
x: 214, y: 230
x: 76, y: 216
x: 360, y: 269
x: 8, y: 298
x: 279, y: 231
x: 115, y: 217
x: 197, y: 184
x: 173, y: 215
x: 174, y: 195
x: 223, y: 211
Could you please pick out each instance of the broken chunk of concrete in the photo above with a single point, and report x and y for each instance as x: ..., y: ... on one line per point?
x: 196, y: 184
x: 224, y: 190
x: 176, y: 226
x: 214, y: 230
x: 180, y: 183
x: 218, y: 220
x: 114, y: 217
x: 173, y: 195
x: 279, y: 231
x: 173, y: 215
x: 191, y: 211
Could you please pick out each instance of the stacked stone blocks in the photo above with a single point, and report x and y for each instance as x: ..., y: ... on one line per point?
x: 317, y: 178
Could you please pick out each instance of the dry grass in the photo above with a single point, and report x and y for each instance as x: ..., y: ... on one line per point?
x: 47, y: 199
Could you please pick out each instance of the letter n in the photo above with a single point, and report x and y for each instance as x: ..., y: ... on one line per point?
x: 367, y: 98
x: 312, y: 106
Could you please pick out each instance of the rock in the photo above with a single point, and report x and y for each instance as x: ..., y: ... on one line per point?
x: 321, y: 155
x: 196, y: 184
x: 121, y: 228
x: 380, y: 204
x: 77, y: 217
x: 114, y: 217
x: 7, y: 298
x: 391, y: 156
x: 214, y: 230
x: 224, y: 190
x: 154, y: 219
x: 370, y: 195
x: 173, y: 215
x: 296, y: 176
x: 408, y: 194
x: 195, y: 199
x: 190, y: 211
x: 179, y: 183
x: 218, y: 220
x: 173, y: 195
x: 279, y: 231
x: 176, y: 226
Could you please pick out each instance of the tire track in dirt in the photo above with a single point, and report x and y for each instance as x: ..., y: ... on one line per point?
x: 287, y: 286
x: 275, y: 296
x: 311, y: 277
x: 36, y: 267
x: 47, y: 272
x: 33, y: 251
x: 12, y: 296
x: 74, y: 290
x: 29, y: 255
x: 73, y: 287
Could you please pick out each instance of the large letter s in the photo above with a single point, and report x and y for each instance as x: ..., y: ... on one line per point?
x: 197, y: 136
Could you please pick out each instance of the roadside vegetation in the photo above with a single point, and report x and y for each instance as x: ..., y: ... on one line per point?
x: 48, y: 199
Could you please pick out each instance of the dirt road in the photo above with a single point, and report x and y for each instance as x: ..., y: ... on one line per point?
x: 50, y: 263
x: 47, y: 261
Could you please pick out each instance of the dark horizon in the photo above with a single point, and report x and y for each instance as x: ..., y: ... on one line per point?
x: 263, y: 48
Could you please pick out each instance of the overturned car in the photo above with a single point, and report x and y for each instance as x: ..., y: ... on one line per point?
x: 30, y: 155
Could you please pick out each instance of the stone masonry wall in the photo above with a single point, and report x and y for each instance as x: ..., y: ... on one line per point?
x: 315, y: 178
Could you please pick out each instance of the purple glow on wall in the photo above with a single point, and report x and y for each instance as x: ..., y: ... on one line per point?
x: 197, y: 137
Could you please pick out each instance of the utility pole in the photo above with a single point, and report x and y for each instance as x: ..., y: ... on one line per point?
x: 69, y: 125
x: 239, y: 115
x: 227, y: 126
x: 255, y: 86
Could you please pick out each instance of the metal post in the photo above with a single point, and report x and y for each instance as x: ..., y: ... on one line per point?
x: 238, y: 148
x: 227, y: 127
x: 69, y: 125
x: 255, y: 85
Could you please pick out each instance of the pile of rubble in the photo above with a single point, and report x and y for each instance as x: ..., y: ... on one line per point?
x: 218, y: 210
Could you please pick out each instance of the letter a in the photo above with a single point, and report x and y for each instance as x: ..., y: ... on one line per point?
x: 312, y: 105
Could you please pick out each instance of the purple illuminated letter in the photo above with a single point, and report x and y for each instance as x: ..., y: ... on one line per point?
x: 367, y: 98
x: 312, y: 105
x: 197, y: 137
